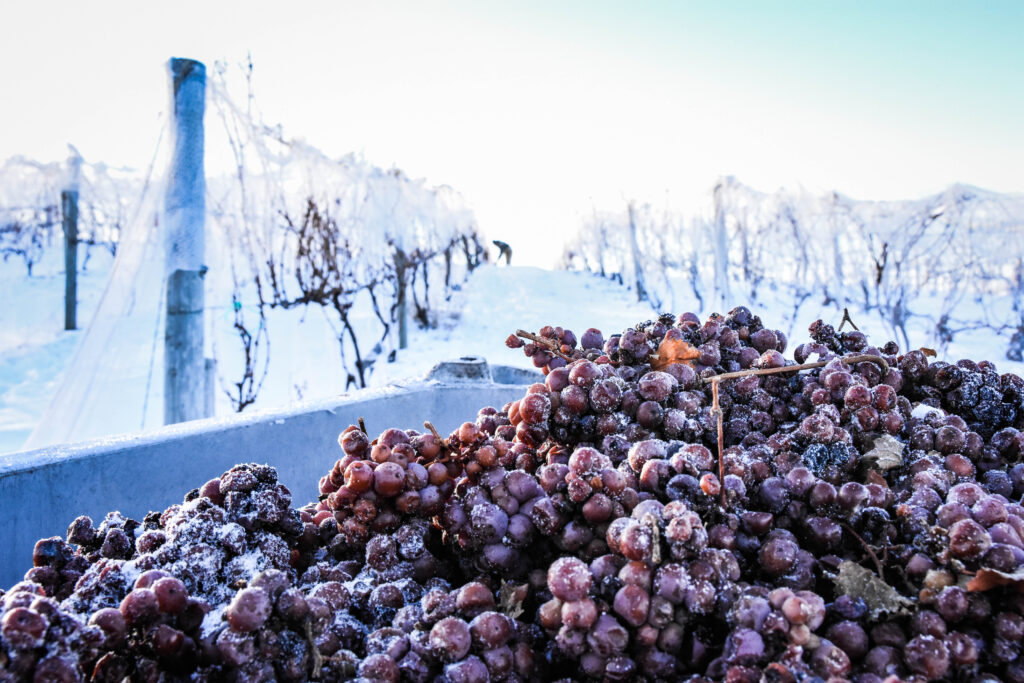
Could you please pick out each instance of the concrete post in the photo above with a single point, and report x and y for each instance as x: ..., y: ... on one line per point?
x: 210, y: 395
x: 638, y: 273
x: 400, y: 267
x: 69, y: 212
x: 184, y: 220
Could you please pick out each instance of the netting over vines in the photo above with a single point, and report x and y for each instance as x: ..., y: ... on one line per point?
x: 367, y: 247
x: 927, y: 261
x: 324, y: 260
x: 30, y: 205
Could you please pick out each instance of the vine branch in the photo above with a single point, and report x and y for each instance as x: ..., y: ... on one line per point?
x: 874, y: 557
x: 847, y: 319
x: 318, y: 660
x: 445, y: 447
x: 548, y: 345
x: 716, y: 409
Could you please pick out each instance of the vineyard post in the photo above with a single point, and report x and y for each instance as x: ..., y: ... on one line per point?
x: 185, y: 373
x: 638, y: 272
x: 69, y: 211
x: 210, y: 392
x: 401, y: 263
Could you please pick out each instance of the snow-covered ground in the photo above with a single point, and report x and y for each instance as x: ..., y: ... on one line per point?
x: 498, y: 300
x: 34, y: 347
x: 930, y: 269
x: 494, y: 302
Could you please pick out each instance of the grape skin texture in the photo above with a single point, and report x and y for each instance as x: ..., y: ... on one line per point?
x: 578, y: 533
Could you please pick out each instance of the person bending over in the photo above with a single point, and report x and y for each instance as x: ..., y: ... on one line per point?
x: 504, y: 250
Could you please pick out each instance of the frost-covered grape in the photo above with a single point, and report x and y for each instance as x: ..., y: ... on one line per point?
x: 569, y: 579
x: 171, y: 594
x: 248, y: 610
x: 450, y: 639
x: 579, y: 533
x: 23, y: 628
x: 139, y: 606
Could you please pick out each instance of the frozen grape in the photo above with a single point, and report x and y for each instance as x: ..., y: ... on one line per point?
x: 450, y: 639
x: 569, y: 579
x: 249, y: 609
x: 171, y: 595
x: 579, y: 533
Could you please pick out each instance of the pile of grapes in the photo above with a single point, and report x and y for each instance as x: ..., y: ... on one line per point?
x: 675, y: 503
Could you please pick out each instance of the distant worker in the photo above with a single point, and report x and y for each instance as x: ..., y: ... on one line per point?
x: 504, y: 250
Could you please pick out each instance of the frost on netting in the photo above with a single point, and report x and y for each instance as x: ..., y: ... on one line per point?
x: 318, y: 259
x: 30, y: 208
x: 115, y: 214
x: 938, y: 266
x: 363, y: 250
x: 111, y: 385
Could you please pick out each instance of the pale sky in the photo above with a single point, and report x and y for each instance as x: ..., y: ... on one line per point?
x: 538, y: 112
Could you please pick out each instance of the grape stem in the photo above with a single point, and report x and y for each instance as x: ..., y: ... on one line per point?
x: 444, y: 442
x: 650, y: 521
x: 433, y: 430
x: 716, y: 409
x: 862, y: 358
x: 548, y: 344
x: 847, y: 319
x: 362, y: 426
x: 874, y: 557
x: 318, y: 660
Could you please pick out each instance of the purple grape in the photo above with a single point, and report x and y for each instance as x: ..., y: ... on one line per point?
x: 569, y: 579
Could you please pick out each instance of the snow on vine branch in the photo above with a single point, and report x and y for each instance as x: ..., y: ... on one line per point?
x: 30, y: 213
x: 340, y: 234
x: 930, y: 261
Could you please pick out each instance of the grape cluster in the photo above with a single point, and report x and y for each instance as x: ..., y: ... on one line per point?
x: 807, y: 489
x: 860, y: 520
x: 41, y: 641
x: 378, y: 484
x: 135, y: 599
x: 459, y: 633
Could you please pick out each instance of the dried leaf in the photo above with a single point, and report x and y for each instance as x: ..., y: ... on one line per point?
x: 886, y: 454
x: 672, y: 351
x: 931, y: 353
x: 987, y: 579
x: 880, y: 597
x: 511, y: 597
x: 874, y: 477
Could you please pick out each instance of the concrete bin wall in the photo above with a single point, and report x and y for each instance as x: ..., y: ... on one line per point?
x: 42, y: 491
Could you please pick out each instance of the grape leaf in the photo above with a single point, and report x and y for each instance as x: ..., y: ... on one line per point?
x: 672, y: 351
x: 880, y: 597
x: 987, y: 579
x: 886, y: 454
x: 873, y: 477
x: 511, y: 597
